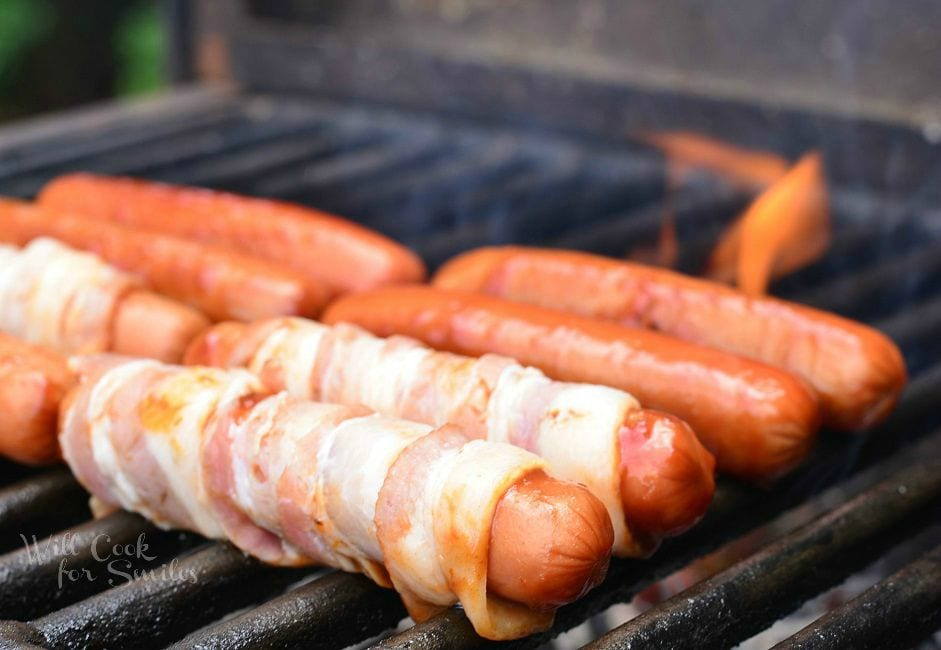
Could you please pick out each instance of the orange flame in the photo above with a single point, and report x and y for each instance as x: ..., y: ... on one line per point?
x: 685, y: 151
x: 786, y: 228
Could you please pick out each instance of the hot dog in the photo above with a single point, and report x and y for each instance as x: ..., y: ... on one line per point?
x: 346, y: 256
x: 435, y: 515
x: 73, y: 303
x: 648, y: 468
x: 550, y: 542
x: 32, y: 383
x: 857, y: 372
x: 757, y: 420
x: 221, y: 283
x: 149, y: 325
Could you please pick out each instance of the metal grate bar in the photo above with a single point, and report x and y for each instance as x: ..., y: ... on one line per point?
x: 169, y: 154
x: 404, y: 193
x: 916, y: 412
x: 537, y: 192
x: 167, y: 603
x: 40, y: 505
x: 915, y: 330
x: 485, y: 217
x: 96, y: 158
x: 898, y: 612
x: 241, y: 169
x: 105, y: 136
x: 23, y: 137
x: 533, y: 207
x: 331, y: 612
x: 308, y: 180
x: 11, y: 472
x: 465, y: 206
x: 746, y: 598
x: 34, y: 580
x: 590, y: 202
x: 882, y: 290
x: 165, y: 160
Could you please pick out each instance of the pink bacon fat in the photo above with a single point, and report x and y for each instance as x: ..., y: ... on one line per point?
x: 647, y: 467
x: 294, y: 482
x: 72, y: 302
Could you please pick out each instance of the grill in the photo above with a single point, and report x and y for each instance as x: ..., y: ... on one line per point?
x: 442, y: 183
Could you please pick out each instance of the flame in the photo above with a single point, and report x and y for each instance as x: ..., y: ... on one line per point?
x: 685, y: 151
x: 786, y: 228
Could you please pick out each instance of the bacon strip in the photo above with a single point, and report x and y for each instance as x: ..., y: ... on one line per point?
x: 577, y: 428
x: 59, y: 298
x: 293, y: 482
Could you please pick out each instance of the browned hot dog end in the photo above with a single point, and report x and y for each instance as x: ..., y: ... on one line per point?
x: 148, y: 325
x: 32, y: 384
x: 550, y: 542
x: 667, y: 476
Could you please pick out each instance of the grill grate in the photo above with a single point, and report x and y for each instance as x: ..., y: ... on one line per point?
x: 906, y: 603
x: 443, y: 187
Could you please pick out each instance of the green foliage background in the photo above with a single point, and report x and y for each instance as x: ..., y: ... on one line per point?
x: 28, y: 32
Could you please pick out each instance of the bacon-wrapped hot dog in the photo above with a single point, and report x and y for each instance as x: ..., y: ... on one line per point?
x: 648, y: 468
x: 436, y: 515
x: 347, y: 256
x: 72, y: 302
x: 759, y: 421
x: 32, y: 383
x: 856, y: 370
x: 221, y: 283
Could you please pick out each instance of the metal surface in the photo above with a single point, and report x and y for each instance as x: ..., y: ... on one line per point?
x: 733, y: 605
x: 899, y: 611
x: 39, y: 505
x: 170, y: 601
x: 443, y: 185
x: 331, y: 612
x: 829, y: 54
x: 37, y: 578
x: 577, y: 68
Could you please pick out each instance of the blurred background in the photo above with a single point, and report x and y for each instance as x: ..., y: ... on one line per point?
x: 60, y: 53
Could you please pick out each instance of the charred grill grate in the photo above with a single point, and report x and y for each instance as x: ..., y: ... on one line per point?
x: 443, y: 187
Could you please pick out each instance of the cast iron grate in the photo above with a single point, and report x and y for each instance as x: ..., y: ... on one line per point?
x: 443, y: 187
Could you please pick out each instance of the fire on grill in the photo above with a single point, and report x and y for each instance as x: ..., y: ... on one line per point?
x: 507, y: 450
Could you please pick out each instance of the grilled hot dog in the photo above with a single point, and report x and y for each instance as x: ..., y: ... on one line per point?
x: 759, y: 421
x: 221, y: 283
x: 149, y: 325
x: 32, y: 383
x: 441, y: 518
x: 346, y: 256
x: 856, y: 370
x: 647, y: 467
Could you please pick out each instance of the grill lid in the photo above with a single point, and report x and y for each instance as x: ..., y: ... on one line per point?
x: 785, y: 76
